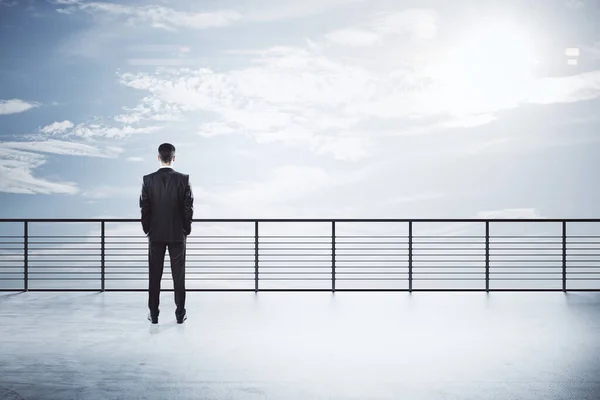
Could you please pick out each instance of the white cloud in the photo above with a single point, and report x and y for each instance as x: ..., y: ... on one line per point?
x: 303, y: 97
x: 277, y: 10
x: 410, y: 198
x: 286, y: 190
x: 412, y: 23
x: 135, y: 159
x: 282, y: 184
x: 511, y: 213
x: 157, y: 16
x: 63, y: 148
x: 18, y: 160
x: 419, y: 23
x: 100, y: 130
x: 57, y: 127
x: 149, y: 109
x: 16, y: 174
x: 565, y: 89
x: 469, y: 121
x: 353, y: 37
x: 14, y: 106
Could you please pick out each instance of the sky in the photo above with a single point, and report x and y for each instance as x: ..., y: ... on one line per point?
x: 312, y: 109
x: 324, y: 109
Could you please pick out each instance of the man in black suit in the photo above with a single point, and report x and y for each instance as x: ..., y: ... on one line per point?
x: 167, y: 207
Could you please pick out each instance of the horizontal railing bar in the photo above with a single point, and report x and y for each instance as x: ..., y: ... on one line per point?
x: 64, y: 236
x: 30, y: 255
x: 64, y: 279
x: 233, y: 220
x: 306, y: 290
x: 62, y: 248
x: 582, y: 273
x: 61, y: 242
x: 64, y: 272
x: 478, y: 249
x: 108, y: 278
x: 584, y: 236
x: 499, y: 261
x: 341, y: 267
x: 584, y: 279
x: 187, y: 243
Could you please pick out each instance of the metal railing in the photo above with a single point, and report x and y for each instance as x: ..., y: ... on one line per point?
x: 325, y: 260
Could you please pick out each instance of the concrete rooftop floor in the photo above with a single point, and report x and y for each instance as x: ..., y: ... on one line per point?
x: 420, y: 346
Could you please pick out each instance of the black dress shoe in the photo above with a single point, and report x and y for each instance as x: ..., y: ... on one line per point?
x: 181, y: 319
x: 153, y: 319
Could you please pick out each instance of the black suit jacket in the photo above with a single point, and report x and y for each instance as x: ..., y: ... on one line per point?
x: 167, y: 205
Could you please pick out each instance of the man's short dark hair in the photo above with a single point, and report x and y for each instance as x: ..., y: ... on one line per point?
x: 166, y: 151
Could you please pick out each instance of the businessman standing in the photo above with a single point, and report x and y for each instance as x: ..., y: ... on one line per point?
x: 167, y: 207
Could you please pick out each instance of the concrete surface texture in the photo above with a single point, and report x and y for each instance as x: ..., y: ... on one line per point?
x: 305, y: 346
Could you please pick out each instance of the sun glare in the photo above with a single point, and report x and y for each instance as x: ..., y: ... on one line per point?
x: 490, y: 69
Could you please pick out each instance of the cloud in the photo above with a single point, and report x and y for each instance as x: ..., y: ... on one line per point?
x: 411, y: 198
x: 99, y: 130
x: 277, y: 10
x: 510, y: 213
x: 305, y: 97
x: 18, y: 160
x: 16, y: 174
x: 412, y: 23
x: 353, y: 37
x: 282, y: 184
x: 285, y: 190
x: 291, y: 97
x: 15, y: 106
x: 63, y: 148
x: 57, y: 127
x: 565, y: 89
x: 158, y: 17
x: 135, y: 159
x: 469, y: 121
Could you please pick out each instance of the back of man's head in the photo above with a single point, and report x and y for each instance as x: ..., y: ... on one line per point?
x: 166, y: 153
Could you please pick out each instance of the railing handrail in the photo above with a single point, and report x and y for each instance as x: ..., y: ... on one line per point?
x: 313, y: 220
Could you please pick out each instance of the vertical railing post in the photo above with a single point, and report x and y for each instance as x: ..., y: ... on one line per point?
x: 26, y: 256
x: 410, y: 256
x: 255, y: 256
x: 333, y: 256
x: 102, y: 253
x: 564, y: 256
x: 487, y: 256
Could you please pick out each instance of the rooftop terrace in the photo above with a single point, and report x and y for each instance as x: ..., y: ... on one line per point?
x: 99, y: 346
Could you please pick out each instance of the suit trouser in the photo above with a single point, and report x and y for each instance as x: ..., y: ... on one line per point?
x: 156, y: 261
